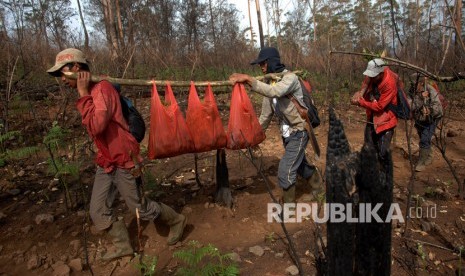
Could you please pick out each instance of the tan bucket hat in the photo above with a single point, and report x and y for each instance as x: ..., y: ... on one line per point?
x: 64, y: 57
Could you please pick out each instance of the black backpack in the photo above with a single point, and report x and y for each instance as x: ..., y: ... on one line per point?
x: 133, y: 118
x: 312, y: 111
x: 402, y: 110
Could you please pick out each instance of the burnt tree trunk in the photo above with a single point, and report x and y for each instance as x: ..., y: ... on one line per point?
x: 223, y: 190
x: 341, y: 235
x: 356, y: 180
x: 373, y: 239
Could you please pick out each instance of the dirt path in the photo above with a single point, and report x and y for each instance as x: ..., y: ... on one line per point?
x: 28, y: 248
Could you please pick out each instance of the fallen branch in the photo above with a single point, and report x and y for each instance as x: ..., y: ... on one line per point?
x: 458, y: 76
x: 430, y: 244
x: 138, y: 82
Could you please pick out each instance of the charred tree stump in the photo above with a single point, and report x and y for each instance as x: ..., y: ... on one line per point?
x: 373, y: 239
x: 223, y: 191
x: 354, y: 180
x: 339, y: 185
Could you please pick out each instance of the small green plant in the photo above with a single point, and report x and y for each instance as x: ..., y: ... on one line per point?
x: 147, y: 265
x: 152, y: 185
x: 57, y: 165
x: 55, y: 136
x: 205, y: 261
x: 418, y: 200
x: 448, y: 184
x: 270, y: 238
x: 150, y: 181
x: 430, y: 192
x: 14, y: 154
x: 421, y: 251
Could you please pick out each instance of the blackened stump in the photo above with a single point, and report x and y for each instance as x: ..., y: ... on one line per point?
x: 223, y: 190
x: 356, y: 248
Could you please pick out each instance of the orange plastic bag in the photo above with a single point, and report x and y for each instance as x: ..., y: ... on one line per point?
x: 244, y: 130
x: 169, y: 135
x: 204, y: 121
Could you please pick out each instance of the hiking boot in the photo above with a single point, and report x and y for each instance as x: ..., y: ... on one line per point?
x: 175, y: 221
x: 120, y: 240
x: 289, y: 194
x: 429, y: 157
x: 421, y: 165
x: 315, y: 181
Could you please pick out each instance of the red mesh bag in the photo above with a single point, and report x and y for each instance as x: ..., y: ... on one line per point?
x: 244, y: 130
x: 204, y: 121
x: 168, y: 134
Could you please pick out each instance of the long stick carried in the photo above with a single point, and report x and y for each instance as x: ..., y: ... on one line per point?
x: 457, y: 76
x: 138, y: 82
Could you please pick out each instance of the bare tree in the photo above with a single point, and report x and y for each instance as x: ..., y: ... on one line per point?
x: 259, y: 19
x: 250, y: 23
x: 84, y: 28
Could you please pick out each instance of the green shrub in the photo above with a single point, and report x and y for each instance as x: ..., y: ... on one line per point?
x: 147, y: 265
x: 205, y: 261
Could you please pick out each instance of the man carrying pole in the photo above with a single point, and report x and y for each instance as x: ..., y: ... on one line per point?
x: 283, y: 98
x: 117, y: 156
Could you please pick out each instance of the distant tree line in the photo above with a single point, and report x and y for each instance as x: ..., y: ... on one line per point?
x: 155, y: 38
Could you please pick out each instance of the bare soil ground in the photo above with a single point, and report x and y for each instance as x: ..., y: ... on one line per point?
x: 28, y: 248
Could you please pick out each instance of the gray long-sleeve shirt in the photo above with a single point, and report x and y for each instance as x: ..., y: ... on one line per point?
x: 284, y: 108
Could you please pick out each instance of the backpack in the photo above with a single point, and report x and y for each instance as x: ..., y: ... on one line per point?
x: 402, y: 110
x: 133, y: 118
x: 442, y: 99
x: 312, y: 111
x: 131, y: 115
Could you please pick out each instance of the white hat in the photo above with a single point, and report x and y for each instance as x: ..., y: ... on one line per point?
x: 64, y: 57
x: 375, y: 66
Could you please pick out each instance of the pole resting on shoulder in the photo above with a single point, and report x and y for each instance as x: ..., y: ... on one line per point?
x: 138, y: 82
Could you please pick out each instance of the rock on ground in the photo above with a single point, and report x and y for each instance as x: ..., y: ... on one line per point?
x: 292, y: 270
x: 76, y: 265
x: 61, y: 270
x: 257, y: 250
x: 44, y: 218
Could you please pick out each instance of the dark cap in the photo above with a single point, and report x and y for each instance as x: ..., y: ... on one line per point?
x: 266, y: 53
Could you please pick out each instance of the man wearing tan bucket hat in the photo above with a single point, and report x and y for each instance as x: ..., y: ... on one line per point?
x: 100, y: 108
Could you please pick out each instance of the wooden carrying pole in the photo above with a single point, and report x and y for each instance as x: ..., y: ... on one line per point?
x: 456, y: 77
x: 138, y: 82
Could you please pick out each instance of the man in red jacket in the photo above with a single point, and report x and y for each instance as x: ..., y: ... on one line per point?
x: 100, y: 108
x: 379, y: 89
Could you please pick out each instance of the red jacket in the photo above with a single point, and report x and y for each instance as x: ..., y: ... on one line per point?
x: 383, y: 118
x: 105, y: 123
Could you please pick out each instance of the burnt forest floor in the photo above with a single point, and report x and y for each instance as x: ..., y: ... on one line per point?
x: 39, y: 236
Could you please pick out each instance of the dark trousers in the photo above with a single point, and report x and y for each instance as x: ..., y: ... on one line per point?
x: 294, y: 162
x: 425, y: 132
